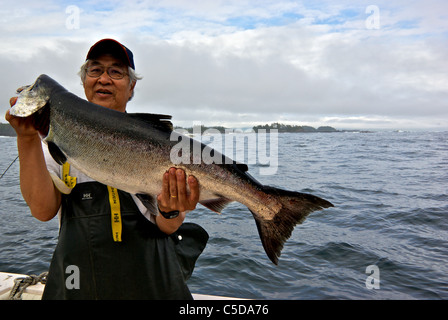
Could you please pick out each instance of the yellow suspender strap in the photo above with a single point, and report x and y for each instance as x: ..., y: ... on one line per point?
x: 114, y: 201
x: 69, y: 181
x: 115, y: 213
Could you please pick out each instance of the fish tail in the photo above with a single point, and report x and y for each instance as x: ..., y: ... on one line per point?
x: 295, y: 207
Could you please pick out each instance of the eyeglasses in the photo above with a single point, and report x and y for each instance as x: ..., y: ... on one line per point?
x: 116, y: 73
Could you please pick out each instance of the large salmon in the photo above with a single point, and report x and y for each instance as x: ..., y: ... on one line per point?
x: 132, y: 151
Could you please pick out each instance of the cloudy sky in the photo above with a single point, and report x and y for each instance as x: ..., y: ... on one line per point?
x: 356, y: 64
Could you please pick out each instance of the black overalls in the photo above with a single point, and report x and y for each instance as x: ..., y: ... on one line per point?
x: 146, y: 264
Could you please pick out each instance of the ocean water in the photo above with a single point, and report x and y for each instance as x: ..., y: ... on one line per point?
x: 390, y: 191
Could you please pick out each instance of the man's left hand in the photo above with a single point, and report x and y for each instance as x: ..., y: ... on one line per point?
x: 175, y: 195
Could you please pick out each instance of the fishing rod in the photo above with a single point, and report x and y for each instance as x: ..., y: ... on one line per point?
x: 9, y: 167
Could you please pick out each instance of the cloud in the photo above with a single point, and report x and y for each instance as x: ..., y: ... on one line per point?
x: 245, y: 62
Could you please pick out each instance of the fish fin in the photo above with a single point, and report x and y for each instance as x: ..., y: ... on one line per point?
x: 295, y: 207
x: 161, y: 121
x: 148, y: 201
x: 217, y: 204
x: 56, y: 153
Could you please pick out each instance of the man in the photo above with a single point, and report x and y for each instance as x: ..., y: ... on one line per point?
x: 157, y: 252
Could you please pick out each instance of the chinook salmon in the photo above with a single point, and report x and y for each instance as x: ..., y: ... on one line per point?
x: 132, y: 151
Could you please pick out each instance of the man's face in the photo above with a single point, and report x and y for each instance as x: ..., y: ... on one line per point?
x: 105, y: 91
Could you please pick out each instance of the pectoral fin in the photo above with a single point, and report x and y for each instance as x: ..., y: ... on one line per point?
x: 56, y: 153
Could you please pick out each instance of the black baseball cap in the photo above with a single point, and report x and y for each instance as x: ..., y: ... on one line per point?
x: 113, y: 47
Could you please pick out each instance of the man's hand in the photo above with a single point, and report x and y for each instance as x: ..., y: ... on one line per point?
x: 36, y: 184
x: 175, y: 196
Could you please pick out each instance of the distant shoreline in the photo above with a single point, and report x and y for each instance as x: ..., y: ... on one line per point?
x: 281, y: 128
x: 7, y: 131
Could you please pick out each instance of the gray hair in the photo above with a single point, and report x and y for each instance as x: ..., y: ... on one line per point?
x: 133, y: 77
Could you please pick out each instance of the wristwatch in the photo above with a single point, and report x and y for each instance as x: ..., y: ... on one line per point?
x: 169, y: 215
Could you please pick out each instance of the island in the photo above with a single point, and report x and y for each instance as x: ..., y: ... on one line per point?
x: 6, y: 130
x: 277, y: 126
x: 293, y: 128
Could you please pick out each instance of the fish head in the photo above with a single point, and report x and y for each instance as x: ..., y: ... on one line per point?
x: 31, y: 99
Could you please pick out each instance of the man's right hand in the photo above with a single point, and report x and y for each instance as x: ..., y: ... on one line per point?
x: 36, y: 184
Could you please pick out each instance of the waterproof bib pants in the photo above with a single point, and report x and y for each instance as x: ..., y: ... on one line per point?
x: 145, y: 264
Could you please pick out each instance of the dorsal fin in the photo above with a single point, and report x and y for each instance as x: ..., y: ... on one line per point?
x: 161, y: 121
